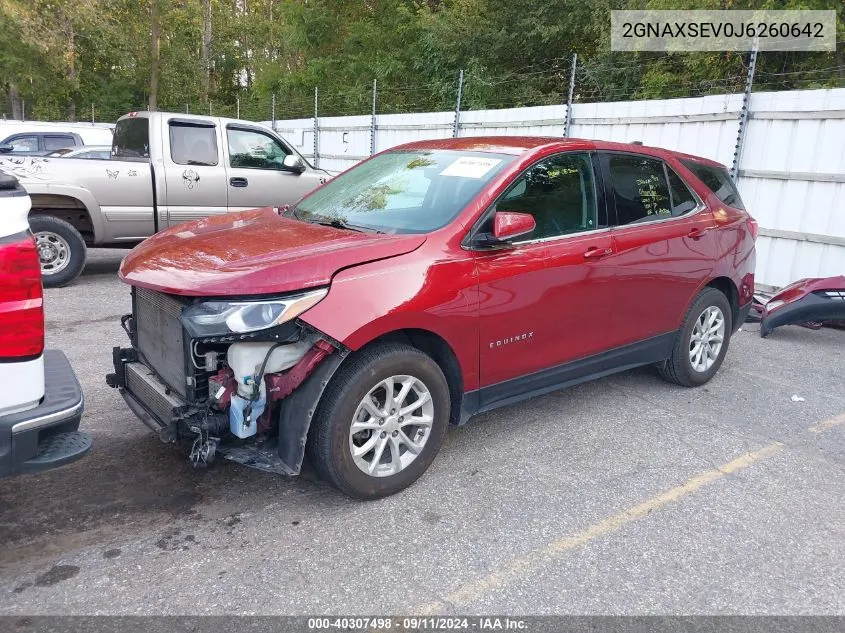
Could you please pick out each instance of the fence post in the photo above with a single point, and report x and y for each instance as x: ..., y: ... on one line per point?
x: 23, y: 110
x: 316, y: 130
x: 92, y: 113
x: 373, y: 121
x: 273, y: 112
x: 237, y: 107
x: 568, y: 123
x: 186, y: 109
x: 743, y: 114
x: 457, y: 125
x: 209, y: 107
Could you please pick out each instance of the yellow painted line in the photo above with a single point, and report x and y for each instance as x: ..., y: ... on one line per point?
x: 821, y: 427
x: 506, y: 574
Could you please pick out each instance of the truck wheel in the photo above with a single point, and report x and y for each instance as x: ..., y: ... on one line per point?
x: 701, y: 345
x: 380, y: 422
x: 61, y: 249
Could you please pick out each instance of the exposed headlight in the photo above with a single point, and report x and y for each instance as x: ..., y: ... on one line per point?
x: 215, y: 318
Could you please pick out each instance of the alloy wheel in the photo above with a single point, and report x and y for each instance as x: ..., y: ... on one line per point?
x: 391, y: 426
x: 706, y: 339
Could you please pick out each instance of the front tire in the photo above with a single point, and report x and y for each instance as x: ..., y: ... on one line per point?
x: 380, y: 422
x: 61, y: 250
x: 702, y: 343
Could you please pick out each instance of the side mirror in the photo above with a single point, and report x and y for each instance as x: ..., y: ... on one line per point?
x: 507, y: 225
x: 510, y: 224
x: 293, y: 162
x: 5, y: 149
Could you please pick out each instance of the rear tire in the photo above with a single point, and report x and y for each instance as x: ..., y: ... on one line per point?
x: 394, y: 440
x: 60, y: 248
x: 702, y: 343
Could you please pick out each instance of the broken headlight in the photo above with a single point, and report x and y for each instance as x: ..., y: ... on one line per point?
x: 216, y: 318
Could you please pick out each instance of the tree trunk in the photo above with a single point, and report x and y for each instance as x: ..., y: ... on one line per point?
x: 15, y: 101
x: 206, y: 48
x: 840, y: 61
x: 154, y: 55
x: 71, y: 70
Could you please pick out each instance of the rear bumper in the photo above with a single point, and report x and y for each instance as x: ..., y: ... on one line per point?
x: 47, y: 436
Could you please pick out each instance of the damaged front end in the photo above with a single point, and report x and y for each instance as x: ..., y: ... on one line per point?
x: 808, y: 302
x: 241, y: 378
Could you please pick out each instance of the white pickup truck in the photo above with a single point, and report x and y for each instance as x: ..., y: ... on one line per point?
x: 41, y: 401
x: 165, y: 168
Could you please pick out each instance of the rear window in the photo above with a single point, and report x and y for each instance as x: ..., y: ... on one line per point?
x: 132, y: 138
x: 718, y: 181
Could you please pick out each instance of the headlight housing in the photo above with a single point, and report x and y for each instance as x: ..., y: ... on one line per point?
x: 220, y: 318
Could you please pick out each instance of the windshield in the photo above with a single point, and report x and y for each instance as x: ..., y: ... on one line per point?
x: 403, y: 191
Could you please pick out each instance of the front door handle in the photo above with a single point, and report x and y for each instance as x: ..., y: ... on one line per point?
x: 238, y: 182
x: 595, y: 252
x: 697, y: 233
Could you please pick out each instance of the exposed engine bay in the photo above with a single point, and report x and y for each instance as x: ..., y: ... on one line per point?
x: 223, y: 374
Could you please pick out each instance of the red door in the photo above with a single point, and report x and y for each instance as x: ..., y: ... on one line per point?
x: 545, y: 301
x: 664, y: 247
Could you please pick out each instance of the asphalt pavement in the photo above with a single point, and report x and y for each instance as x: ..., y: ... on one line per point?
x: 623, y: 496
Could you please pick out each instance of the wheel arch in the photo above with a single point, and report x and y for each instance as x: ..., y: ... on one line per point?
x: 438, y: 349
x: 73, y: 208
x: 727, y: 287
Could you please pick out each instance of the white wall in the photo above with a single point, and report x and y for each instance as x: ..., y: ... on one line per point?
x: 792, y: 169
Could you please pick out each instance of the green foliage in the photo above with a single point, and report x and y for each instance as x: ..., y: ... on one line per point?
x: 63, y: 56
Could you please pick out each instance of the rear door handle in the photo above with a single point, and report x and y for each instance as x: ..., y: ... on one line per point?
x: 697, y: 232
x: 238, y: 182
x: 594, y: 252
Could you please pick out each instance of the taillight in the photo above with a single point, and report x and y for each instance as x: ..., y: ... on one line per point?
x: 21, y: 299
x: 754, y: 228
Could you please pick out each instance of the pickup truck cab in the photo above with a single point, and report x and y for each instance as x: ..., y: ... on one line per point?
x: 41, y: 402
x: 165, y: 168
x: 40, y: 138
x: 424, y: 285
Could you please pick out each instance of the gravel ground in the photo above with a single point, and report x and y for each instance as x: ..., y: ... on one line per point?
x: 622, y: 496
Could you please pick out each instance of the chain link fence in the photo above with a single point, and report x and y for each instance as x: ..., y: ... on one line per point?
x: 624, y: 78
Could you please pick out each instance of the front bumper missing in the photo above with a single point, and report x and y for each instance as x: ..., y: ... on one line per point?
x: 172, y: 419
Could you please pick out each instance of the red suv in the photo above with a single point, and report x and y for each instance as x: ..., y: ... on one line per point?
x: 429, y: 283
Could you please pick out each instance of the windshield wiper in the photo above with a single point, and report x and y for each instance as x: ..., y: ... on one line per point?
x: 341, y: 224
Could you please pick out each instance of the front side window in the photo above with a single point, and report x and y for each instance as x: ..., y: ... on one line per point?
x: 255, y: 150
x: 559, y: 192
x: 640, y: 189
x: 193, y: 144
x: 718, y: 181
x: 413, y: 191
x: 24, y: 144
x: 58, y: 142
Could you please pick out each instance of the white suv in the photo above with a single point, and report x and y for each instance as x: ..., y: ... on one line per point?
x: 41, y: 402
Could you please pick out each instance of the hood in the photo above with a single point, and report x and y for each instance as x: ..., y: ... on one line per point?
x: 252, y: 253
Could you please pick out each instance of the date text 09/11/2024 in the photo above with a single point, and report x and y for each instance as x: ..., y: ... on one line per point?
x: 418, y: 623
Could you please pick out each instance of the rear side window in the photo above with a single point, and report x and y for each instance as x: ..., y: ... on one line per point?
x: 640, y: 189
x: 193, y: 145
x: 132, y: 138
x: 718, y: 181
x: 58, y: 142
x: 681, y: 199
